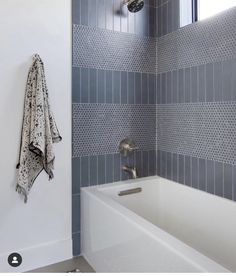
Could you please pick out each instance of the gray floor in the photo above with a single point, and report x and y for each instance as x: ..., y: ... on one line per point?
x: 75, y: 263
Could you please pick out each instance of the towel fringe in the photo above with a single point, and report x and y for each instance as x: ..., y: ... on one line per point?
x: 22, y: 191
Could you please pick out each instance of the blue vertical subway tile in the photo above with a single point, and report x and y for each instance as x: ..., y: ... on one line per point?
x: 187, y: 85
x: 152, y: 21
x: 163, y: 88
x: 109, y: 87
x: 218, y: 78
x: 131, y: 88
x: 101, y: 14
x: 181, y: 86
x: 228, y: 181
x: 202, y: 83
x: 124, y: 19
x: 93, y: 86
x: 152, y: 88
x: 202, y: 174
x: 234, y: 182
x: 209, y: 83
x: 109, y: 14
x: 76, y: 175
x: 138, y: 91
x: 84, y: 85
x: 116, y: 87
x: 109, y: 168
x: 194, y: 84
x: 187, y: 171
x: 124, y: 86
x: 117, y: 167
x: 169, y: 165
x: 145, y: 163
x: 146, y: 15
x: 136, y: 21
x: 76, y: 244
x: 101, y: 86
x: 158, y: 89
x: 175, y: 86
x: 170, y: 17
x: 84, y: 12
x: 144, y: 88
x: 116, y: 15
x: 181, y: 169
x: 140, y: 23
x: 152, y: 162
x: 233, y: 80
x: 227, y: 80
x: 76, y: 12
x: 210, y: 177
x: 158, y: 165
x: 159, y: 21
x: 130, y: 160
x: 175, y: 167
x: 138, y: 162
x: 84, y: 171
x: 175, y: 15
x: 76, y: 85
x: 152, y: 3
x: 219, y: 181
x: 92, y: 13
x: 163, y: 164
x: 101, y: 169
x: 75, y: 213
x: 164, y: 19
x: 156, y: 21
x: 169, y: 88
x: 93, y: 170
x: 194, y: 172
x: 131, y: 23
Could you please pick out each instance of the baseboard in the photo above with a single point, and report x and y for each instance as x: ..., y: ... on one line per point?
x: 39, y: 256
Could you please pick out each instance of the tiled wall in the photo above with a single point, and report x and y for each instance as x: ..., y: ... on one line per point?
x: 113, y: 16
x: 176, y: 93
x: 196, y: 105
x: 114, y: 94
x: 204, y: 42
x: 167, y: 16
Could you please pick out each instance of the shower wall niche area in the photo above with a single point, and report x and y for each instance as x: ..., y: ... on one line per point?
x: 114, y: 94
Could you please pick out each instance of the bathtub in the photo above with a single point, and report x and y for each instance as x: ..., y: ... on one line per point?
x: 167, y: 227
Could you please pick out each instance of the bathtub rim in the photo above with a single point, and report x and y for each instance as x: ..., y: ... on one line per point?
x: 202, y: 262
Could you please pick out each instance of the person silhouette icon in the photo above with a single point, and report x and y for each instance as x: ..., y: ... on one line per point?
x: 14, y: 260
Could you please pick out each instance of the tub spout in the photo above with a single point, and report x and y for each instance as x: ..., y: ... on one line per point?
x: 131, y: 170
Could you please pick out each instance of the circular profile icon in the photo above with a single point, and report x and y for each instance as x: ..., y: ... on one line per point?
x: 14, y: 259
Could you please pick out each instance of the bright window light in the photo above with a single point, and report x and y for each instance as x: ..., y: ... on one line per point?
x: 209, y: 8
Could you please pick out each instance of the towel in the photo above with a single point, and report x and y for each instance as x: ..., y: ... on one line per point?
x: 39, y: 131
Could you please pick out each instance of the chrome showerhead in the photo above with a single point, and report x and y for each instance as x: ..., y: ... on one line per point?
x: 134, y: 5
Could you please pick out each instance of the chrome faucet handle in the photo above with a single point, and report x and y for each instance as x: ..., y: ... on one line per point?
x: 127, y: 145
x: 133, y: 147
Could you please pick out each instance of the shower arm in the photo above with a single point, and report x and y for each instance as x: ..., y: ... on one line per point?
x: 127, y: 2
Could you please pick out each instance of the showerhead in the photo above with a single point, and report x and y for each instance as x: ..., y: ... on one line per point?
x: 134, y: 5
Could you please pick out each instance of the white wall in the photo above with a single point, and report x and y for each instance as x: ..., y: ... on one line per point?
x: 41, y: 229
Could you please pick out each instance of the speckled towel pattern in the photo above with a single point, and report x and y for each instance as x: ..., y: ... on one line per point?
x: 39, y: 131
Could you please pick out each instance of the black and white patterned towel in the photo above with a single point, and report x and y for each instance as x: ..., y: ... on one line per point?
x: 39, y: 131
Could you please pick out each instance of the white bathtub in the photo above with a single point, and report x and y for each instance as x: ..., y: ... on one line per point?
x: 167, y: 227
